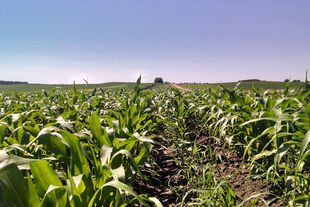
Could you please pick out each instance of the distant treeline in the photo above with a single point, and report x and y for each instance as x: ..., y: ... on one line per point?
x: 12, y: 82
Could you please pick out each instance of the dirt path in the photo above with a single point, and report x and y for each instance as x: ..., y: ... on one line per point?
x: 179, y: 87
x: 165, y: 180
x: 160, y: 179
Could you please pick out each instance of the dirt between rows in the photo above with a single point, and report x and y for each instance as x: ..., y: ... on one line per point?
x: 158, y: 178
x: 163, y: 177
x: 179, y: 87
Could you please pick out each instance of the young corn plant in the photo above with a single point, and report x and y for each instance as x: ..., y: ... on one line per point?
x: 62, y: 152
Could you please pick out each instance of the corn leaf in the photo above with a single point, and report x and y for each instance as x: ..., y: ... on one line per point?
x: 12, y: 187
x: 44, y: 176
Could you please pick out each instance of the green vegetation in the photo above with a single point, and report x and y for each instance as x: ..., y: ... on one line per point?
x: 56, y: 149
x: 39, y: 87
x: 133, y: 147
x: 265, y: 85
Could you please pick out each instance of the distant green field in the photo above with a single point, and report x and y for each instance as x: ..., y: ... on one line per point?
x: 130, y: 85
x: 35, y: 87
x: 245, y: 85
x: 110, y: 85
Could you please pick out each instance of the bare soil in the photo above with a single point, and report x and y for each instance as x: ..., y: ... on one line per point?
x: 179, y: 87
x: 237, y: 173
x: 161, y: 179
x: 157, y: 182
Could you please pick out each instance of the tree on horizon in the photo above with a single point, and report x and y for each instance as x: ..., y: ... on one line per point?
x: 158, y: 80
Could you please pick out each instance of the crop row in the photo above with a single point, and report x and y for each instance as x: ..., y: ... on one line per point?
x: 87, y: 148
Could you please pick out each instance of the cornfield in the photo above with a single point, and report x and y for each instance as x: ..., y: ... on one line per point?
x: 91, y: 147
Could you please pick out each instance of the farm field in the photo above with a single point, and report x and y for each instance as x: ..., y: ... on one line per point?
x: 264, y: 85
x: 38, y: 87
x: 129, y: 85
x: 130, y: 146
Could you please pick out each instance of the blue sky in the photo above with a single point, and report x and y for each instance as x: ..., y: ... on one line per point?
x: 181, y: 41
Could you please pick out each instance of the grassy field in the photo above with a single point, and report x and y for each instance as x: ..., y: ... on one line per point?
x: 265, y: 85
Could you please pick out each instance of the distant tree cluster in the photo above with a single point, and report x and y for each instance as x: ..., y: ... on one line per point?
x: 294, y: 81
x: 158, y: 80
x: 12, y: 82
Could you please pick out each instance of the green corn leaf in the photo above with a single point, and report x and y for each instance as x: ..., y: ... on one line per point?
x: 3, y: 158
x: 33, y: 196
x: 34, y: 131
x: 118, y: 162
x: 299, y: 166
x: 254, y: 197
x: 156, y: 202
x: 97, y: 131
x: 44, y: 176
x: 79, y: 193
x: 142, y: 157
x: 21, y: 162
x: 263, y: 154
x: 12, y: 187
x: 71, y: 186
x: 263, y: 119
x: 302, y: 199
x: 56, y: 145
x: 55, y: 196
x: 120, y: 186
x: 74, y: 94
x: 105, y: 155
x: 65, y: 124
x: 79, y: 164
x: 305, y: 143
x: 45, y: 130
x: 3, y: 130
x: 119, y: 173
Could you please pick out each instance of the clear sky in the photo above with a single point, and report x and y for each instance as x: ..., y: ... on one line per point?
x: 60, y: 41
